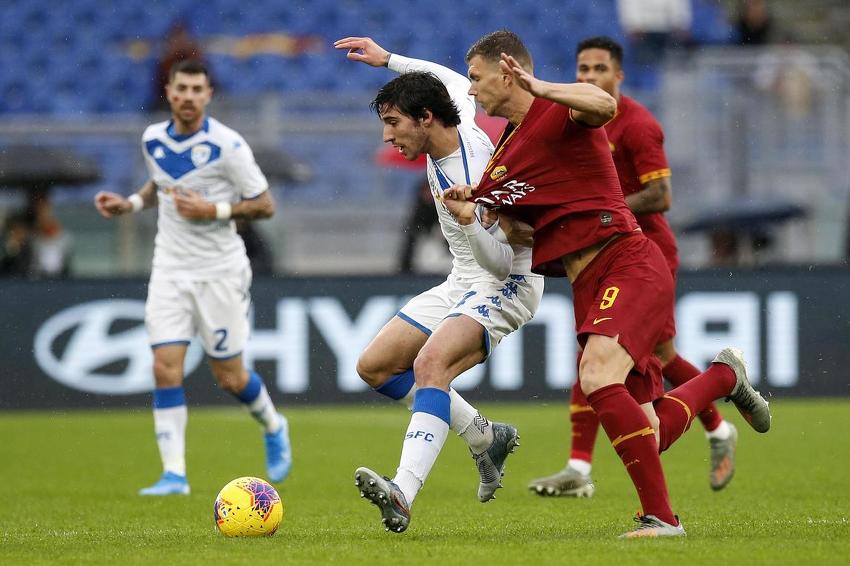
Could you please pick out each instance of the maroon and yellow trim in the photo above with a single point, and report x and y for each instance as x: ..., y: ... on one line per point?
x: 652, y: 175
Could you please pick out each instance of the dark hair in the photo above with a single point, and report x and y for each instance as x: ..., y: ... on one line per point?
x: 190, y: 67
x: 413, y: 94
x: 602, y: 42
x: 491, y: 46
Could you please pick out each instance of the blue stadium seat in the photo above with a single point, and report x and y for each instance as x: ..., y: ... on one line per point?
x: 85, y: 42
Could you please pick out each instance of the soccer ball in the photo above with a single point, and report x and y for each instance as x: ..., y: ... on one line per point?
x: 248, y: 507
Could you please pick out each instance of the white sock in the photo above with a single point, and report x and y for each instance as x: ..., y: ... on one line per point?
x: 469, y: 424
x: 466, y: 421
x: 170, y: 427
x: 722, y: 432
x: 423, y: 441
x: 407, y: 400
x: 262, y: 409
x: 581, y: 466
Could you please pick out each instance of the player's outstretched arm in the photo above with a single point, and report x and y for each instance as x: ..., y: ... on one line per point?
x: 364, y: 50
x: 588, y: 104
x: 110, y: 204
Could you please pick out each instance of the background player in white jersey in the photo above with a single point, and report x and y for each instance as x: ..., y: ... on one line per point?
x: 446, y: 330
x: 202, y: 175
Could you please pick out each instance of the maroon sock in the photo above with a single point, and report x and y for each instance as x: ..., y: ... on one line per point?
x: 680, y: 371
x: 677, y: 408
x: 634, y: 441
x: 585, y: 426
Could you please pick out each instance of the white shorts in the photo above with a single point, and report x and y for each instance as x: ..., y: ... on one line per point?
x: 500, y: 307
x: 217, y: 310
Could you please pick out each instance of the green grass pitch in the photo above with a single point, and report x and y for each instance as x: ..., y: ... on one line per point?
x: 69, y: 482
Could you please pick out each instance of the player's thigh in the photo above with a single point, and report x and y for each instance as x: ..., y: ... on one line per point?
x: 603, y: 362
x: 169, y: 313
x: 626, y: 294
x: 168, y: 364
x: 455, y: 346
x: 391, y: 351
x: 221, y: 310
x: 395, y: 347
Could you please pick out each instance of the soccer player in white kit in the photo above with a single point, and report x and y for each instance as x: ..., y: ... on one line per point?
x: 446, y: 330
x: 202, y: 175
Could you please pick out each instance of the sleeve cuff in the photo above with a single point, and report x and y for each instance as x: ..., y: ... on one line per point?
x: 397, y: 63
x: 472, y: 229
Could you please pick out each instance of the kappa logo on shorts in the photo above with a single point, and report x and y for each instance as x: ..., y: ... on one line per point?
x: 483, y: 310
x: 498, y: 172
x: 510, y: 290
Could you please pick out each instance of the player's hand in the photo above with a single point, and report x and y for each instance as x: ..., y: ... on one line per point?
x: 462, y: 210
x: 523, y: 78
x: 488, y: 217
x: 111, y: 204
x: 365, y: 50
x: 459, y: 192
x: 191, y: 206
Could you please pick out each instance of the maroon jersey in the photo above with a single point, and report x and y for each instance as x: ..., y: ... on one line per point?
x: 559, y: 177
x: 637, y: 145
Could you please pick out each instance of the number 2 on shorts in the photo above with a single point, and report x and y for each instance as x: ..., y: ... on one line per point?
x: 222, y: 336
x: 608, y: 298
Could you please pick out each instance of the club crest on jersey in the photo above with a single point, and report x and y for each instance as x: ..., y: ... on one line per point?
x: 158, y: 153
x: 200, y: 154
x: 498, y: 172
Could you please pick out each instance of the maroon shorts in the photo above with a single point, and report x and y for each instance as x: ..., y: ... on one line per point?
x: 627, y: 292
x: 669, y: 331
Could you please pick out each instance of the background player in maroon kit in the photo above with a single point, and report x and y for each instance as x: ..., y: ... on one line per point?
x: 637, y: 146
x: 553, y: 170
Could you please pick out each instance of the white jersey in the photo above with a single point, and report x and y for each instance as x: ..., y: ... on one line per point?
x: 464, y: 166
x: 215, y: 162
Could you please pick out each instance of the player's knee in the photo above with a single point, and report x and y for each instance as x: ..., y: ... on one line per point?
x: 429, y: 369
x: 167, y: 374
x: 371, y: 372
x: 232, y: 381
x: 594, y: 373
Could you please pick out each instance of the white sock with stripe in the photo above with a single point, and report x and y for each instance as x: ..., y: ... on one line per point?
x: 170, y: 416
x: 464, y: 419
x: 256, y: 398
x: 425, y: 436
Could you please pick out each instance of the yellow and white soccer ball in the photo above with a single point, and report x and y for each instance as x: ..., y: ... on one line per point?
x: 248, y: 507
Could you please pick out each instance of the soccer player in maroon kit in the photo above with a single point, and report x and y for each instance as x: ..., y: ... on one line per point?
x: 637, y: 146
x: 553, y: 170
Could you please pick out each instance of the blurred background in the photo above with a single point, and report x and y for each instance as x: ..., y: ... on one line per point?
x: 752, y: 95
